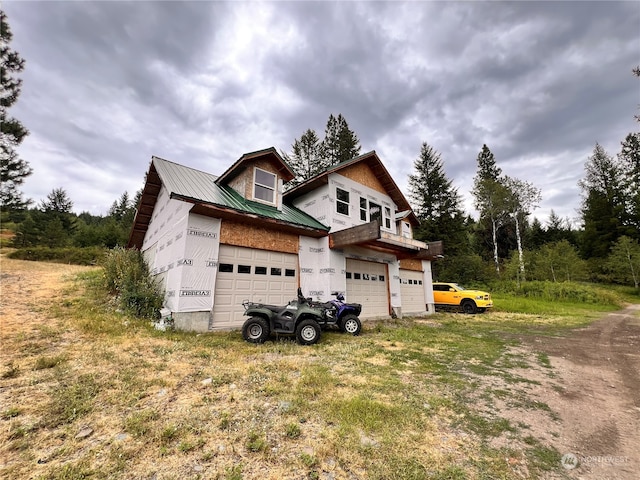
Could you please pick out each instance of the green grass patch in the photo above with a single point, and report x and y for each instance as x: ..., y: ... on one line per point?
x: 71, y: 399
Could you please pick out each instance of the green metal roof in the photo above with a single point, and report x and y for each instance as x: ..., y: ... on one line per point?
x: 200, y: 186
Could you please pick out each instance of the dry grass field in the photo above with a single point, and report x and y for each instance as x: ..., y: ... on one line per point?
x: 86, y: 392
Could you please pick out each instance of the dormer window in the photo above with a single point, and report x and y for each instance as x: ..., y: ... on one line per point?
x: 264, y: 186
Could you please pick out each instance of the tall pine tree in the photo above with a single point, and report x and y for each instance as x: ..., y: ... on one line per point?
x: 602, y: 204
x: 437, y: 203
x: 13, y: 170
x: 305, y: 158
x: 629, y: 160
x: 340, y: 143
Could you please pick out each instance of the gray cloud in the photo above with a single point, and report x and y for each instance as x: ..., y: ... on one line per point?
x: 108, y: 84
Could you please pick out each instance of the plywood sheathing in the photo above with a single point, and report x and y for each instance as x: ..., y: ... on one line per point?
x: 361, y: 173
x: 411, y: 264
x: 246, y: 235
x: 243, y: 182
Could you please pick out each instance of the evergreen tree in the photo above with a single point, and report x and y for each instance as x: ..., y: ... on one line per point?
x: 58, y: 206
x: 28, y: 232
x: 602, y: 204
x: 487, y: 167
x: 340, y: 143
x: 13, y: 170
x: 536, y: 234
x: 348, y: 142
x: 57, y: 201
x: 437, y: 203
x: 305, y: 158
x: 629, y: 161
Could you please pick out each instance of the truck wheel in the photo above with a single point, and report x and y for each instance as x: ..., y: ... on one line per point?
x: 351, y: 324
x: 308, y: 332
x: 469, y: 306
x: 255, y: 330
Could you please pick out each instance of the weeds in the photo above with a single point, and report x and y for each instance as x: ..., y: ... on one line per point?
x: 72, y: 399
x: 43, y: 363
x: 127, y: 275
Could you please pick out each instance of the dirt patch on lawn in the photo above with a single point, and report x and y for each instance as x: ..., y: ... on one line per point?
x: 581, y: 395
x: 24, y: 287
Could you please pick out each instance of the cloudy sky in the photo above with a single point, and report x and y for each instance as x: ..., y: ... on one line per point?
x: 109, y: 84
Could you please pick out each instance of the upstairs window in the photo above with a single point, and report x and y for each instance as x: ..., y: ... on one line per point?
x: 264, y: 186
x: 363, y: 209
x: 342, y: 201
x: 387, y: 217
x: 406, y: 230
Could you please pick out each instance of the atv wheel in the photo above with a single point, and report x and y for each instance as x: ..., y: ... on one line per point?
x: 351, y: 324
x: 308, y: 332
x: 469, y: 306
x: 255, y: 330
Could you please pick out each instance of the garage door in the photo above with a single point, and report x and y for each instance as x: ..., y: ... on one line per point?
x: 412, y: 292
x: 367, y: 283
x: 249, y: 274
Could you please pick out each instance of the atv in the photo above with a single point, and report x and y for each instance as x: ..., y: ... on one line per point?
x: 345, y: 315
x: 299, y: 317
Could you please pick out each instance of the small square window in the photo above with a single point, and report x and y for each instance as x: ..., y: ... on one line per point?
x: 348, y: 274
x: 289, y: 272
x: 365, y: 276
x: 374, y: 278
x: 244, y: 268
x: 419, y: 282
x: 225, y: 267
x: 356, y: 276
x: 381, y: 278
x: 261, y: 271
x: 276, y: 271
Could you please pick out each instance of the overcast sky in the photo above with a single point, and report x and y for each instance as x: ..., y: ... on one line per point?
x: 109, y: 84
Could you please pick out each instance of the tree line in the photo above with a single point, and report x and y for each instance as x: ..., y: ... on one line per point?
x: 53, y: 224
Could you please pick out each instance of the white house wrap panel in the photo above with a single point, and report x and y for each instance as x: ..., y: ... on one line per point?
x: 198, y: 266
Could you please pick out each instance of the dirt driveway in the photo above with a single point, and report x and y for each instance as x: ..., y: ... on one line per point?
x: 595, y: 390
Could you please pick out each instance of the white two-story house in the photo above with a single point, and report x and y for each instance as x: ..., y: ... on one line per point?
x: 214, y: 241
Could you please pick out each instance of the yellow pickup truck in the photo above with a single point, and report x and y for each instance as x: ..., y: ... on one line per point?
x: 453, y: 295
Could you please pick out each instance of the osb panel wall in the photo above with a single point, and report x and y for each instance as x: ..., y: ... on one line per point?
x: 243, y: 183
x: 411, y: 264
x: 362, y: 174
x: 243, y: 235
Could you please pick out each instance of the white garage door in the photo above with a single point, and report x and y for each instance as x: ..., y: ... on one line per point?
x: 367, y: 283
x: 412, y: 292
x: 249, y: 274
